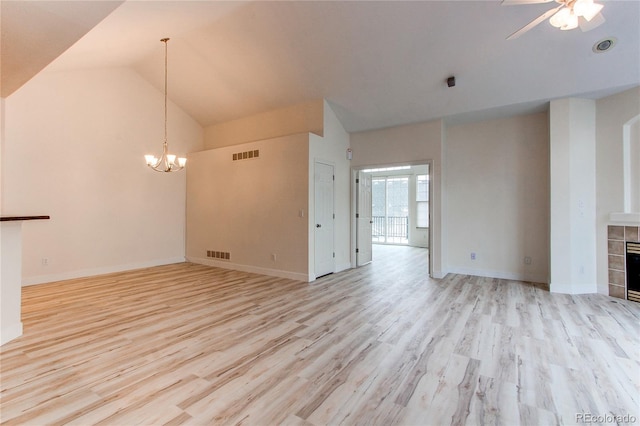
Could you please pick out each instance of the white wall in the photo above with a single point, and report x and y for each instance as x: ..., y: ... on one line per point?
x: 573, y: 196
x: 73, y: 149
x: 302, y: 118
x: 411, y: 144
x: 612, y: 113
x: 633, y: 179
x: 10, y: 261
x: 2, y: 126
x: 332, y: 149
x: 10, y: 280
x: 1, y: 155
x: 278, y: 186
x: 497, y: 180
x: 511, y: 156
x: 251, y: 208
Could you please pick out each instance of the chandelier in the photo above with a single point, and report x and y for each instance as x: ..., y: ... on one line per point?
x: 167, y: 162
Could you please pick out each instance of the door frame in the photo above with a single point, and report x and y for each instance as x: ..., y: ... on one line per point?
x: 354, y: 195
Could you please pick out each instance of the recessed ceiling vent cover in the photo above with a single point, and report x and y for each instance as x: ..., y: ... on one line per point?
x: 604, y: 45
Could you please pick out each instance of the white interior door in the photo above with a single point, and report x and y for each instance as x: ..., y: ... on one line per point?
x: 364, y: 219
x: 324, y: 252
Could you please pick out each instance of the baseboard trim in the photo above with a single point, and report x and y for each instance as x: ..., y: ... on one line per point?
x: 8, y: 333
x: 513, y: 276
x: 298, y: 276
x: 438, y: 275
x: 572, y: 288
x: 343, y: 266
x: 82, y: 273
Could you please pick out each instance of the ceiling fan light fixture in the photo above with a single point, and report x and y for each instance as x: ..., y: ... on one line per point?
x: 561, y: 18
x: 571, y: 23
x: 565, y: 16
x: 587, y: 9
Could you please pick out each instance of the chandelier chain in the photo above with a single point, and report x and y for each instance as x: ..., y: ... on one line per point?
x: 165, y: 40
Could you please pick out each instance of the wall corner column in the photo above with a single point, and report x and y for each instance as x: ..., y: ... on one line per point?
x: 11, y: 276
x: 572, y: 196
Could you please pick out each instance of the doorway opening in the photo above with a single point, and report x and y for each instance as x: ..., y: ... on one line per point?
x: 392, y: 208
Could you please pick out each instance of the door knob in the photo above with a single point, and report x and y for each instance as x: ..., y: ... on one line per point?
x: 318, y: 225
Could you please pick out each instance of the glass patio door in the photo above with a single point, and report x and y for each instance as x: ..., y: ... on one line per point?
x: 390, y: 210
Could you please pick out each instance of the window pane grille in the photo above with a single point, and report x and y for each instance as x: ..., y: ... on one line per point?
x: 422, y: 188
x: 422, y: 201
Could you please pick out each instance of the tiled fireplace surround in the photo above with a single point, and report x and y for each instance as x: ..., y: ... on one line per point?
x: 617, y: 238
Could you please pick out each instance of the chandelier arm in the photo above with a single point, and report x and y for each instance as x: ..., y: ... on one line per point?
x: 156, y: 166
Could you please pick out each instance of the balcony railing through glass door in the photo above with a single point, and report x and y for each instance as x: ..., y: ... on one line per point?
x: 390, y: 229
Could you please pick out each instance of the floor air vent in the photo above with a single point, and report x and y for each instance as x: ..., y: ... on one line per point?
x: 246, y: 155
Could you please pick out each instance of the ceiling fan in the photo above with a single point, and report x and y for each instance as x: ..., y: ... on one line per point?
x: 569, y: 14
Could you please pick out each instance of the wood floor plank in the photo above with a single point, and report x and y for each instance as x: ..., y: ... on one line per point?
x: 379, y: 345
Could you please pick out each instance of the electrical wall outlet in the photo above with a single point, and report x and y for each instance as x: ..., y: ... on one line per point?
x: 473, y: 255
x: 527, y: 260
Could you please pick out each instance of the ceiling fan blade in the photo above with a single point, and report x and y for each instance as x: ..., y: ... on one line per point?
x: 535, y: 22
x: 596, y: 21
x: 520, y: 2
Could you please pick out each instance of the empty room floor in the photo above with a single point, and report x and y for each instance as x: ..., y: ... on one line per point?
x: 378, y: 345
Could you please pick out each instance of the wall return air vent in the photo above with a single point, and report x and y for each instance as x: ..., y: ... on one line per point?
x: 246, y: 155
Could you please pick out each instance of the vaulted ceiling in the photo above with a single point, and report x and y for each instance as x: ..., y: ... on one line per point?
x: 379, y: 63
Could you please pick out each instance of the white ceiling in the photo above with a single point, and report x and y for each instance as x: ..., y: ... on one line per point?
x: 34, y: 33
x: 379, y: 63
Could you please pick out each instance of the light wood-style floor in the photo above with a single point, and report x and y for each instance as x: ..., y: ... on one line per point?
x: 379, y: 345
